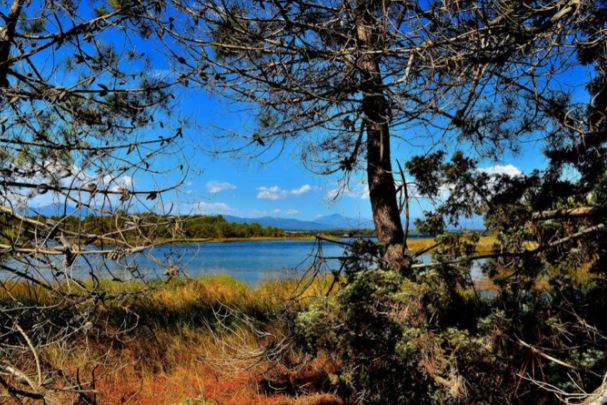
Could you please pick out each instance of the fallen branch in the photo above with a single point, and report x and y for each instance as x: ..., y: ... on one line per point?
x: 566, y: 213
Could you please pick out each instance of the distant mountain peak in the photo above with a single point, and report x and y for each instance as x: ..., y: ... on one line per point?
x: 323, y: 223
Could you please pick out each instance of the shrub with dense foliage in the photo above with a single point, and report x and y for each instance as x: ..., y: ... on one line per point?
x: 439, y: 339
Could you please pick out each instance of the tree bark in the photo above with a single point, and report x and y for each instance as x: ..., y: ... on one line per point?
x: 382, y: 191
x: 7, y: 33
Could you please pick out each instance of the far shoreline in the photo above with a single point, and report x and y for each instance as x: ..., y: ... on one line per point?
x: 415, y: 242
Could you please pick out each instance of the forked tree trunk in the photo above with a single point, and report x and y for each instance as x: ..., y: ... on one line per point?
x: 382, y: 191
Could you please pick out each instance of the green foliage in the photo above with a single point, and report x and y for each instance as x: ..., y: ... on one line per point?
x: 544, y: 318
x: 435, y: 339
x: 356, y: 327
x: 386, y: 334
x: 217, y: 227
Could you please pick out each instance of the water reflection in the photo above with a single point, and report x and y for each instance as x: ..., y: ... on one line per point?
x: 250, y: 261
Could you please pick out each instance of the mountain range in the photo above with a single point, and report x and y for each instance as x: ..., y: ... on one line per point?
x: 56, y: 210
x: 323, y: 223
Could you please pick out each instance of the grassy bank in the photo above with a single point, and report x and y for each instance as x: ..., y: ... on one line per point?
x: 484, y: 245
x: 167, y: 342
x: 194, y: 340
x: 200, y: 339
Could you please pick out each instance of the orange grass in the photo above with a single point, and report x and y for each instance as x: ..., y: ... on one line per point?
x: 178, y: 350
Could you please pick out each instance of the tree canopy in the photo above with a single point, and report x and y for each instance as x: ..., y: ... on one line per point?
x: 81, y: 121
x: 350, y: 78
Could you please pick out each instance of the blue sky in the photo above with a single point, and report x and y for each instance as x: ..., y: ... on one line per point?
x: 273, y: 184
x: 280, y: 186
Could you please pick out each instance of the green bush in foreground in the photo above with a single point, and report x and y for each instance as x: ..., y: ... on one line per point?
x: 414, y: 342
x: 376, y: 328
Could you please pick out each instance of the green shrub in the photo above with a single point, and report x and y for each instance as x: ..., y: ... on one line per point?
x: 365, y: 328
x: 432, y: 341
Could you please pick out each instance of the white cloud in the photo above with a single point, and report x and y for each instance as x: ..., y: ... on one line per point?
x: 119, y: 182
x: 286, y: 212
x: 271, y: 193
x: 508, y: 170
x: 344, y: 189
x: 301, y: 190
x: 215, y: 187
x: 54, y: 172
x: 277, y: 193
x: 211, y: 208
x: 218, y: 208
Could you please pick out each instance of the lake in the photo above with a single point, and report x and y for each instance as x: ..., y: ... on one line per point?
x: 248, y: 261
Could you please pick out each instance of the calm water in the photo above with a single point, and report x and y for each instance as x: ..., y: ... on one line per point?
x: 251, y: 261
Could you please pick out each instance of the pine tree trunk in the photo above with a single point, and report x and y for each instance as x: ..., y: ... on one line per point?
x: 7, y: 33
x: 382, y: 191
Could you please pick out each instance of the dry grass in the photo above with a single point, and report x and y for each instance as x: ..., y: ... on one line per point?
x: 485, y: 244
x: 188, y: 359
x: 179, y: 349
x: 182, y: 373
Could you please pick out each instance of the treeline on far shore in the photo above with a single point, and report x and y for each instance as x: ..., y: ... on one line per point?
x: 161, y: 227
x: 157, y: 227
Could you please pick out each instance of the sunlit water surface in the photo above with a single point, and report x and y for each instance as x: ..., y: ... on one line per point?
x: 248, y: 261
